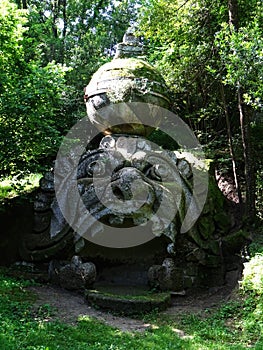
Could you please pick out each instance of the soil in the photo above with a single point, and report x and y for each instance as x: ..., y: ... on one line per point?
x: 69, y: 306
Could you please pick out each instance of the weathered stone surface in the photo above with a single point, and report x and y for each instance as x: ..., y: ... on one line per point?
x: 53, y: 271
x: 128, y: 182
x: 235, y: 241
x: 206, y: 227
x: 174, y: 278
x: 156, y: 275
x: 130, y: 47
x: 76, y: 275
x: 166, y: 276
x: 189, y: 281
x: 125, y: 80
x: 128, y: 301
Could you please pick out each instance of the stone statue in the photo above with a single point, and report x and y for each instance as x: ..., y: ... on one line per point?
x: 124, y: 164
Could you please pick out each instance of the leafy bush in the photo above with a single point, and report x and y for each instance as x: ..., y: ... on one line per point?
x: 252, y: 290
x: 32, y: 110
x: 253, y: 276
x: 29, y: 113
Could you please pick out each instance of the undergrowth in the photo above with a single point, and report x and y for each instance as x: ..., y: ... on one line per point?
x: 14, y: 186
x: 236, y: 325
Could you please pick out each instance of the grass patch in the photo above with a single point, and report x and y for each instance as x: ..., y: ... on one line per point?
x: 12, y: 187
x: 128, y: 293
x: 23, y: 327
x: 127, y: 300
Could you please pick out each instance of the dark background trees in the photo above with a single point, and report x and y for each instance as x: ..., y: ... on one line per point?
x: 49, y: 50
x: 210, y: 53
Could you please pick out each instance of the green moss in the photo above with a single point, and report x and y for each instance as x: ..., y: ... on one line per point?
x: 12, y: 187
x: 130, y: 293
x: 125, y: 75
x: 223, y: 221
x: 128, y: 300
x: 206, y: 227
x: 128, y: 67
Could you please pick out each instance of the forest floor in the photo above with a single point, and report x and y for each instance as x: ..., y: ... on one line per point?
x: 68, y: 306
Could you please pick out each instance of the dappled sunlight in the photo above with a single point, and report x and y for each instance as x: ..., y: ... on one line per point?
x: 40, y: 328
x: 11, y: 187
x: 181, y: 334
x: 132, y: 216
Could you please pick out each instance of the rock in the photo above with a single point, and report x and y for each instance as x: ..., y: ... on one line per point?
x: 126, y: 181
x: 125, y: 80
x: 156, y: 275
x: 235, y: 241
x: 89, y: 272
x: 173, y: 279
x: 70, y: 279
x: 197, y: 255
x: 206, y: 227
x: 76, y: 275
x: 53, y: 271
x: 166, y: 276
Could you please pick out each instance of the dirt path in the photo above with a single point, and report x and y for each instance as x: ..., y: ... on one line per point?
x: 70, y: 306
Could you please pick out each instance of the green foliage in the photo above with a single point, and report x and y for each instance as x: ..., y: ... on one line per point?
x: 11, y: 37
x: 31, y: 118
x: 205, y: 61
x: 182, y: 48
x: 31, y: 122
x: 48, y: 52
x: 252, y: 287
x: 241, y: 53
x: 77, y: 33
x: 161, y: 138
x: 253, y: 275
x: 247, y: 317
x: 232, y: 326
x: 14, y: 186
x: 196, y: 49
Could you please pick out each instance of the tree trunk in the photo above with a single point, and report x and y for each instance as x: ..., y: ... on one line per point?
x: 55, y: 11
x: 64, y: 31
x: 248, y: 158
x: 64, y: 11
x: 250, y: 209
x: 233, y: 13
x: 232, y: 151
x: 24, y: 4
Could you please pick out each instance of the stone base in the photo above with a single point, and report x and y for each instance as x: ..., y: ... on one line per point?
x: 127, y: 300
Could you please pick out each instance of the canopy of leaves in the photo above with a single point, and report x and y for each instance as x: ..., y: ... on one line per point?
x: 30, y: 99
x: 206, y: 61
x: 196, y: 50
x: 48, y: 52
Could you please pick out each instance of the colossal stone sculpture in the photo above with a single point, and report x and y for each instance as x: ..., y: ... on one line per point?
x: 127, y: 181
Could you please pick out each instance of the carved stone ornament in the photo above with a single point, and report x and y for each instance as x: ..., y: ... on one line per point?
x: 126, y: 181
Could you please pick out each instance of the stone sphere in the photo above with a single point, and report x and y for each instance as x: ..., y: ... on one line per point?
x: 125, y: 80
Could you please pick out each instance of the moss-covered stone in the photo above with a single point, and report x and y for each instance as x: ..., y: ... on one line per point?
x: 129, y: 79
x: 206, y: 227
x: 127, y: 300
x: 235, y: 241
x: 127, y: 68
x: 222, y: 221
x: 189, y: 281
x: 213, y: 260
x: 191, y: 270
